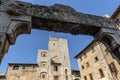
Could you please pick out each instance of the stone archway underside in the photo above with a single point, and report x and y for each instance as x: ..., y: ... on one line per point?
x: 18, y: 17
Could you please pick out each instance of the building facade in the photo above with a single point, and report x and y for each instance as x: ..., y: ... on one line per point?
x: 20, y: 71
x: 116, y: 16
x: 52, y: 64
x: 96, y: 63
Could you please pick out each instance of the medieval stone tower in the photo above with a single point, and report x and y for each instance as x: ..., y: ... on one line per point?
x: 54, y: 63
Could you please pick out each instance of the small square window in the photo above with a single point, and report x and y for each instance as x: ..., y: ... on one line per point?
x: 101, y: 73
x: 33, y: 67
x: 54, y: 44
x: 82, y: 67
x: 66, y: 77
x: 55, y: 68
x: 66, y: 71
x: 56, y: 77
x: 96, y: 59
x: 87, y: 64
x: 15, y: 67
x: 85, y: 77
x: 24, y: 67
x: 91, y: 76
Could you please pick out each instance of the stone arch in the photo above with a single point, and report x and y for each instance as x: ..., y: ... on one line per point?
x: 43, y: 54
x: 44, y: 64
x: 43, y: 75
x: 58, y: 18
x: 108, y: 40
x: 18, y: 29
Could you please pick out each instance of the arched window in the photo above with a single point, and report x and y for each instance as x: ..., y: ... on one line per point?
x: 108, y: 40
x: 65, y: 71
x: 43, y: 64
x: 44, y: 54
x: 43, y: 75
x: 66, y: 77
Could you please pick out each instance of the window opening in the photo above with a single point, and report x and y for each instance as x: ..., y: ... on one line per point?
x: 15, y: 67
x: 55, y: 68
x: 91, y: 76
x: 101, y: 73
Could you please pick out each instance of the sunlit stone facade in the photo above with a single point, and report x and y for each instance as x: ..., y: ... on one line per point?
x: 96, y: 63
x: 54, y: 63
x: 116, y: 16
x: 20, y: 71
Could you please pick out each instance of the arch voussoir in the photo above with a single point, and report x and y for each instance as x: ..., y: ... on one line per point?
x: 17, y: 29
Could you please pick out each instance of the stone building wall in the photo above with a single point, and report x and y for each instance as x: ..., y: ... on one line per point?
x: 56, y: 60
x: 116, y: 16
x: 43, y: 60
x: 52, y: 64
x: 113, y: 64
x: 22, y: 72
x: 93, y: 64
x: 2, y: 76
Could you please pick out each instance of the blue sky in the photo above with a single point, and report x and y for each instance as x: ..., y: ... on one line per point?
x: 26, y: 47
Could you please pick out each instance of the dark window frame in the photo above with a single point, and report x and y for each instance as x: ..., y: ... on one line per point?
x: 66, y: 77
x: 16, y: 67
x: 96, y: 59
x: 23, y: 67
x: 91, y: 76
x: 56, y: 77
x: 85, y: 77
x: 43, y: 76
x: 65, y: 71
x: 87, y: 64
x: 83, y: 67
x: 55, y: 68
x: 101, y: 73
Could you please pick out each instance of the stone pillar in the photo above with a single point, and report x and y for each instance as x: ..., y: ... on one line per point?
x: 4, y: 45
x: 4, y: 42
x: 11, y: 27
